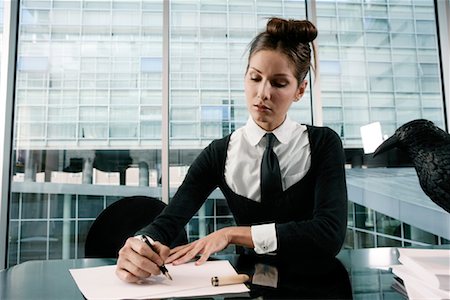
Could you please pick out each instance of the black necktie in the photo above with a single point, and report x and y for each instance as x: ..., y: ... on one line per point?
x: 270, y: 172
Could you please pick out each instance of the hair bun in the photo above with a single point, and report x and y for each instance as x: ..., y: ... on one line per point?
x: 302, y: 31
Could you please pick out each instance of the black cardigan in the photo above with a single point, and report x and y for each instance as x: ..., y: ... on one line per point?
x: 310, y: 217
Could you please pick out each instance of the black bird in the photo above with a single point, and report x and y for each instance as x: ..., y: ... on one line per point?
x: 428, y: 147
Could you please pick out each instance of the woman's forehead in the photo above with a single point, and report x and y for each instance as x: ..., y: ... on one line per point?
x: 271, y: 61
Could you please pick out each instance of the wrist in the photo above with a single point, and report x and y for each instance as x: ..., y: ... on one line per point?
x: 238, y: 235
x: 228, y: 233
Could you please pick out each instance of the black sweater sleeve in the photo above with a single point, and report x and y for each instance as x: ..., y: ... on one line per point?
x: 202, y: 178
x: 325, y: 232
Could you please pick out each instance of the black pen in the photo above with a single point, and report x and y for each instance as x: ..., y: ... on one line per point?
x: 161, y: 267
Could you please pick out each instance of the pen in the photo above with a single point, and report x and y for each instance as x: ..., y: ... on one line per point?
x: 226, y: 280
x: 161, y: 267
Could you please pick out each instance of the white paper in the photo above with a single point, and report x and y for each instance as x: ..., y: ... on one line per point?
x: 417, y: 288
x: 436, y: 261
x: 189, y: 280
x: 431, y: 265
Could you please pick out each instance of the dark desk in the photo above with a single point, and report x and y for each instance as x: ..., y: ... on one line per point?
x: 361, y: 274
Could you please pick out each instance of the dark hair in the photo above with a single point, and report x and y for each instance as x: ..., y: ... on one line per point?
x: 290, y: 37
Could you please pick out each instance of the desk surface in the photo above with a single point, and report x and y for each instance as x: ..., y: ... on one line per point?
x: 361, y: 274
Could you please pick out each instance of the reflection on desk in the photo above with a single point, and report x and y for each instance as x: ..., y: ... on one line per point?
x: 361, y: 274
x: 296, y: 278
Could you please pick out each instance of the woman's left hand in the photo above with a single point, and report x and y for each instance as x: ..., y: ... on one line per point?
x: 206, y: 246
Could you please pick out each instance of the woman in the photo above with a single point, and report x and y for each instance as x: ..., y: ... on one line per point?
x: 308, y: 213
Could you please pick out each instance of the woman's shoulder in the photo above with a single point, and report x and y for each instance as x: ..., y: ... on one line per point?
x: 325, y: 143
x: 221, y: 142
x: 217, y: 147
x: 323, y: 138
x: 322, y: 132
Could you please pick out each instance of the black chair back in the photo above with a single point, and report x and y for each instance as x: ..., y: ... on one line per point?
x: 121, y: 220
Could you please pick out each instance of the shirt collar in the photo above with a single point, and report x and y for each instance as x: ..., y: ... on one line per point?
x: 283, y: 133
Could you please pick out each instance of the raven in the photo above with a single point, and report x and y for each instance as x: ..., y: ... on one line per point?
x: 428, y: 147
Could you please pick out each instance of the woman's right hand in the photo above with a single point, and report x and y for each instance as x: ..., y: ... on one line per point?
x: 138, y: 261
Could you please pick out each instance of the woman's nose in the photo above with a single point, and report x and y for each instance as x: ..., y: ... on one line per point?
x: 264, y: 90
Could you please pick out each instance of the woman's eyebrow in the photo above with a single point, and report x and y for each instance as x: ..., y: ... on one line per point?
x: 274, y: 75
x: 255, y: 69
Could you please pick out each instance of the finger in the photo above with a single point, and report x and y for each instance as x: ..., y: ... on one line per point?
x: 139, y: 271
x: 140, y: 255
x: 203, y: 259
x: 187, y: 257
x: 175, y: 256
x: 126, y: 276
x: 146, y: 264
x: 179, y: 254
x: 178, y: 248
x: 143, y: 249
x: 162, y: 250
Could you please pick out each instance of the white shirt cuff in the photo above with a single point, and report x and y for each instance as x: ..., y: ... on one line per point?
x: 264, y: 238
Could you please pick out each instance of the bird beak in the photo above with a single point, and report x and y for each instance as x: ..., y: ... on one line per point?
x: 388, y: 144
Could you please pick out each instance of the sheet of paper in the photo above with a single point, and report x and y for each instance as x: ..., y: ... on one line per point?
x: 416, y: 287
x: 189, y: 280
x: 434, y: 261
x: 431, y: 265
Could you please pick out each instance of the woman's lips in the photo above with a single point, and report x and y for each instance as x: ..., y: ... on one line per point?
x: 261, y: 107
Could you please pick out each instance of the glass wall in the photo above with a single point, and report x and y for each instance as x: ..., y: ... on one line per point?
x: 368, y: 228
x: 87, y: 119
x: 88, y: 103
x: 88, y: 108
x: 379, y: 63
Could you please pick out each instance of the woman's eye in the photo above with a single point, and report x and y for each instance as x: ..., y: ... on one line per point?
x: 255, y: 79
x: 279, y: 84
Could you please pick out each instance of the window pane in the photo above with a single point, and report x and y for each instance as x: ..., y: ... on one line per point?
x: 397, y: 46
x: 88, y: 102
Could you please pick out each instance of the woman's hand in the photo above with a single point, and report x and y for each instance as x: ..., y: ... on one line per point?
x: 206, y: 246
x: 137, y: 260
x: 210, y: 244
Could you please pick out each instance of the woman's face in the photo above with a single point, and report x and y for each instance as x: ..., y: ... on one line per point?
x: 270, y: 88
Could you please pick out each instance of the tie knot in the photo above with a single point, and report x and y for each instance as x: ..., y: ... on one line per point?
x: 270, y: 138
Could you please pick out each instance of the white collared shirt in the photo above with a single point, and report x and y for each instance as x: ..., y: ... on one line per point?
x: 244, y: 156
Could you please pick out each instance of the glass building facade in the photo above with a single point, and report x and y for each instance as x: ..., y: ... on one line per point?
x: 380, y: 63
x: 89, y: 103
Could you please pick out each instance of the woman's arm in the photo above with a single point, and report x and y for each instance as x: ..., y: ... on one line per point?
x: 325, y: 232
x: 212, y: 243
x: 136, y: 260
x: 201, y: 179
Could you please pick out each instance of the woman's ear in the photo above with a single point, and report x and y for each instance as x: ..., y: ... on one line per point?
x: 301, y: 90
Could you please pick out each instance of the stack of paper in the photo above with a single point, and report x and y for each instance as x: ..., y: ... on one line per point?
x: 425, y: 273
